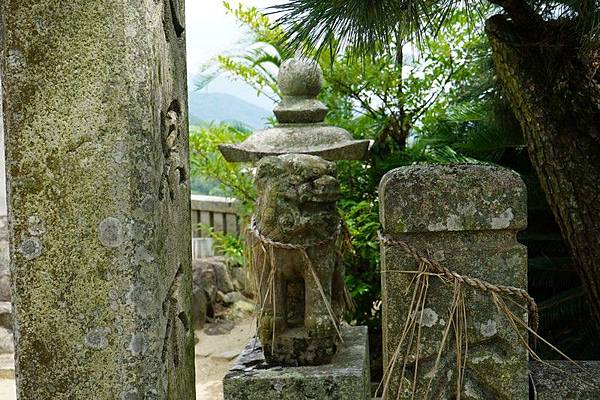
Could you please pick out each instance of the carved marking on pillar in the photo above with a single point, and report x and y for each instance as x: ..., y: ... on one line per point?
x: 173, y: 17
x: 174, y: 170
x: 178, y: 322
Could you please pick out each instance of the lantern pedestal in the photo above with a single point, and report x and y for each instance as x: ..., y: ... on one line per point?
x: 345, y: 378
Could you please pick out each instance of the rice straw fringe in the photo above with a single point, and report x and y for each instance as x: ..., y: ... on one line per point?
x: 458, y: 319
x: 268, y: 245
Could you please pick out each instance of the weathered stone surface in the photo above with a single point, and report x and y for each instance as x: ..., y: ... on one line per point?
x: 4, y: 257
x: 96, y: 139
x: 328, y: 142
x: 297, y: 205
x: 239, y: 277
x: 300, y: 78
x: 553, y: 380
x: 219, y: 327
x: 211, y: 277
x: 241, y: 309
x: 204, y: 278
x: 346, y: 378
x: 224, y: 283
x: 214, y: 275
x: 6, y: 325
x: 301, y: 129
x: 199, y: 306
x: 3, y: 208
x: 292, y: 110
x: 429, y: 198
x: 231, y: 298
x: 466, y: 217
x: 300, y: 82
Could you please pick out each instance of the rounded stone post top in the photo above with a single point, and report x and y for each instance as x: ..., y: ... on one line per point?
x: 301, y: 127
x: 300, y: 77
x: 300, y: 81
x: 465, y: 197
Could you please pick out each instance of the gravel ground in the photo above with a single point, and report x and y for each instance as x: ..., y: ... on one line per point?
x: 215, y: 355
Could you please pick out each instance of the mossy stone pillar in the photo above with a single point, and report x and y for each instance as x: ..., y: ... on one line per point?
x: 6, y: 337
x: 466, y: 217
x: 95, y: 112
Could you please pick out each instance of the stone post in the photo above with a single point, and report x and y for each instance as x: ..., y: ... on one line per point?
x: 95, y: 113
x: 6, y: 338
x: 466, y: 217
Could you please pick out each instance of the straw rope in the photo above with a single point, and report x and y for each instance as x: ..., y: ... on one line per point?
x: 303, y: 251
x: 290, y: 246
x: 436, y: 267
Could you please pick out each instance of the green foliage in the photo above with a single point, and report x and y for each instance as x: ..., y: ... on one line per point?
x: 365, y: 25
x: 362, y: 275
x: 474, y: 119
x: 210, y: 169
x: 369, y: 26
x: 232, y: 179
x: 388, y: 102
x: 475, y: 122
x: 230, y: 246
x: 436, y: 101
x: 384, y: 99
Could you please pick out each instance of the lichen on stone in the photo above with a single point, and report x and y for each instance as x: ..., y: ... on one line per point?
x: 31, y: 248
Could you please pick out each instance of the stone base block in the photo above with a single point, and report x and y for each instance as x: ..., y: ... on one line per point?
x: 296, y: 348
x: 345, y: 378
x: 553, y: 380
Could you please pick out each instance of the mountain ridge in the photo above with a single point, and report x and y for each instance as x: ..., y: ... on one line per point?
x: 216, y: 107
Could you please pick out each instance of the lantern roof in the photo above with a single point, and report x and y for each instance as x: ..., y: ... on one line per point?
x: 301, y: 128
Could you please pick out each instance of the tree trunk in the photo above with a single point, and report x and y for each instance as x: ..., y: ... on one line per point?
x: 552, y: 86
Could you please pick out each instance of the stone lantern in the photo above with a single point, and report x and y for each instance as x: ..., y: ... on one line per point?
x: 300, y: 128
x: 296, y: 238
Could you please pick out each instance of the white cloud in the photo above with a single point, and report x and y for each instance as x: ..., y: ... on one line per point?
x: 210, y: 31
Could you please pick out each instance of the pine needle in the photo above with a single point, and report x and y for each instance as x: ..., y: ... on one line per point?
x: 416, y: 301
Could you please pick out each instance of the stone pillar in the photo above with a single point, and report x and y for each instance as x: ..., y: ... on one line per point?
x: 466, y: 217
x: 95, y: 113
x: 6, y: 339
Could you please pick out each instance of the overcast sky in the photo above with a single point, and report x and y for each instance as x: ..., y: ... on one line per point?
x: 211, y: 32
